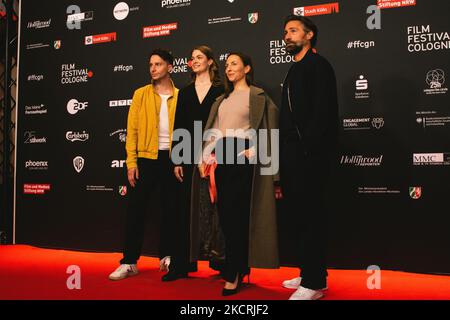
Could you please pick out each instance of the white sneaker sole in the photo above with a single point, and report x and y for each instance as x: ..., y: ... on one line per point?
x: 316, y: 296
x: 290, y: 286
x: 124, y: 276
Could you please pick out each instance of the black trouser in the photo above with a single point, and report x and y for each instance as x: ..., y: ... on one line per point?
x: 180, y: 260
x: 153, y: 175
x: 234, y: 188
x: 304, y: 180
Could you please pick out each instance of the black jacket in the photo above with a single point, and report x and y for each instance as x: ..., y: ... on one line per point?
x: 310, y: 85
x: 189, y: 109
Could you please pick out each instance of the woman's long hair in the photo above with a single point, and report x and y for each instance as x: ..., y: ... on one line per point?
x: 229, y: 87
x: 213, y: 68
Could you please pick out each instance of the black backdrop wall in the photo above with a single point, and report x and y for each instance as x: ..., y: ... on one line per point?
x: 76, y: 80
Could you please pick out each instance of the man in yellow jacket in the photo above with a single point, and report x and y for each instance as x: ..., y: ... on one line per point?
x: 149, y: 139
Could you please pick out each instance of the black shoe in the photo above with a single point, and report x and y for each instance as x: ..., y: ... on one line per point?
x: 229, y: 292
x: 172, y: 276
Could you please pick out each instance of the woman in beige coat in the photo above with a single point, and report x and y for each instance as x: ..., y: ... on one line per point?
x: 245, y: 188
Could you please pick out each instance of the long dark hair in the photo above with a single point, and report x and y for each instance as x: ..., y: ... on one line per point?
x: 247, y: 61
x: 213, y: 69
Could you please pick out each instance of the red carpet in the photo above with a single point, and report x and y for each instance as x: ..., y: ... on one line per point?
x: 32, y: 273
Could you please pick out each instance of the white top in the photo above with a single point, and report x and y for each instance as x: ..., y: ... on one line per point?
x: 163, y: 129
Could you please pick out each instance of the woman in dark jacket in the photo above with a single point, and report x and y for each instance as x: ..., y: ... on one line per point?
x: 245, y: 185
x: 194, y: 104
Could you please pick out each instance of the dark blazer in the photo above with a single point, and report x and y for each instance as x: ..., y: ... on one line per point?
x: 263, y: 237
x: 310, y: 85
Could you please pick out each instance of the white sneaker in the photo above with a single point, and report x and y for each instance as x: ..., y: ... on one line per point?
x: 303, y: 293
x: 124, y: 271
x: 295, y: 283
x: 164, y: 264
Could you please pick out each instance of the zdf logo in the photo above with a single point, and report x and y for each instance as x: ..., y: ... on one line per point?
x: 73, y: 106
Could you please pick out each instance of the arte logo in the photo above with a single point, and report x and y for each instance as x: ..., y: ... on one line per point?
x: 77, y: 136
x: 169, y: 4
x: 39, y: 24
x: 121, y: 133
x: 122, y: 190
x: 386, y: 4
x: 421, y: 39
x: 73, y: 106
x: 362, y: 86
x: 35, y: 188
x: 120, y: 103
x: 361, y: 161
x: 122, y: 68
x: 31, y: 138
x: 35, y: 77
x: 321, y: 9
x: 435, y: 79
x: 159, y: 30
x: 75, y: 17
x: 78, y: 163
x: 100, y: 38
x: 37, y: 109
x: 253, y: 17
x: 117, y: 163
x: 36, y: 165
x: 415, y: 192
x: 70, y: 74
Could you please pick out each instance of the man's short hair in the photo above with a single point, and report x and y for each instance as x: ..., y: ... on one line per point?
x: 308, y: 26
x: 164, y: 54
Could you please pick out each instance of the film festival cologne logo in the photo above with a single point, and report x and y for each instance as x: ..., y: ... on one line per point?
x: 422, y: 39
x: 71, y: 74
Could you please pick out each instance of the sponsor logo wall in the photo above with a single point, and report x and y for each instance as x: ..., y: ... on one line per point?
x: 81, y: 63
